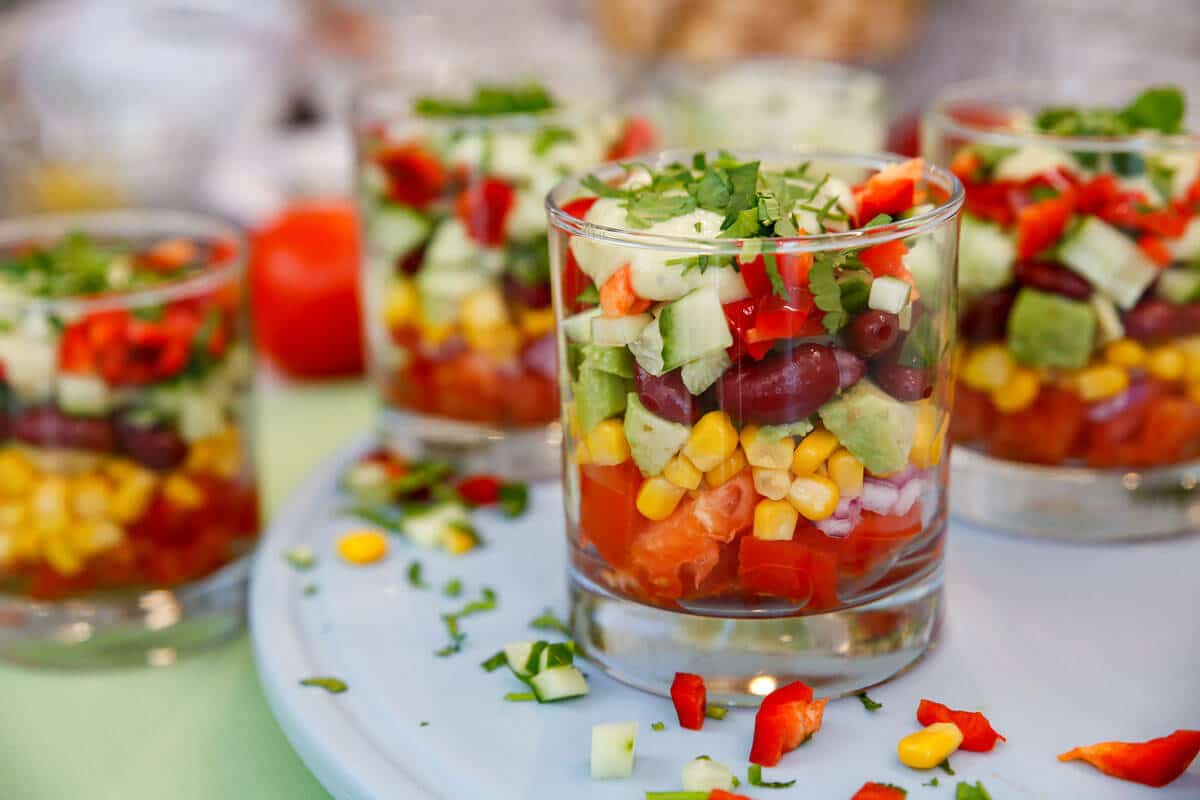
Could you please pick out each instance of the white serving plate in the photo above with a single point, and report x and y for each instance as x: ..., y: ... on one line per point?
x: 1060, y: 644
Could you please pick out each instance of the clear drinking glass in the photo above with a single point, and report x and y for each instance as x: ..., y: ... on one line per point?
x: 1078, y: 383
x: 768, y: 101
x: 456, y: 282
x: 127, y: 495
x: 774, y: 508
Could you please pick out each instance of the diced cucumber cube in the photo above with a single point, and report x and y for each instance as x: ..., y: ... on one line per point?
x: 395, y: 231
x: 559, y: 654
x: 84, y: 395
x: 613, y: 745
x: 613, y: 360
x: 986, y: 255
x: 200, y: 415
x: 598, y: 396
x: 518, y: 656
x: 442, y: 292
x: 704, y: 775
x: 29, y: 365
x: 558, y: 683
x: 692, y: 327
x: 889, y: 294
x: 1109, y: 259
x: 1109, y: 327
x: 1031, y: 161
x: 619, y: 331
x: 652, y: 440
x: 702, y: 373
x: 368, y: 482
x: 925, y: 261
x: 1187, y: 247
x: 1179, y: 285
x: 429, y: 528
x: 647, y: 349
x: 578, y: 327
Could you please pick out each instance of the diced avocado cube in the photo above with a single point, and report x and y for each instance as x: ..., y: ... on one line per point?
x: 876, y: 428
x: 652, y: 439
x: 1046, y: 330
x: 598, y: 396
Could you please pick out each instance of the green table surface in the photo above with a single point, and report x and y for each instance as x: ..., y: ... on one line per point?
x: 200, y: 728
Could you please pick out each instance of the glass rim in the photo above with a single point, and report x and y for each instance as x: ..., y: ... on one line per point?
x: 940, y: 214
x: 126, y: 223
x: 939, y: 114
x: 834, y: 73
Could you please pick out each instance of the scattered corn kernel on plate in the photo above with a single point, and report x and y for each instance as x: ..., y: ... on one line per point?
x: 1058, y: 646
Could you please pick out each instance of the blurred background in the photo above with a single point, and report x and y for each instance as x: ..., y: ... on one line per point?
x: 240, y: 107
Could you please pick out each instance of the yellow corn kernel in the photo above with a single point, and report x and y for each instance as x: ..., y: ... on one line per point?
x: 7, y: 553
x: 119, y: 469
x: 930, y: 438
x: 1099, y: 382
x: 12, y: 514
x: 682, y: 473
x: 401, y: 305
x: 59, y: 554
x: 607, y: 443
x: 27, y: 545
x: 814, y: 496
x: 132, y: 495
x: 762, y: 451
x: 658, y: 497
x: 203, y: 455
x: 500, y: 342
x: 988, y: 367
x: 16, y: 473
x: 1166, y: 363
x: 772, y: 483
x: 847, y: 472
x: 1193, y: 392
x: 536, y: 322
x: 582, y: 454
x: 364, y: 546
x: 94, y: 536
x: 483, y: 309
x: 48, y: 503
x: 1018, y: 392
x: 435, y: 333
x: 182, y: 492
x: 1192, y: 371
x: 90, y: 496
x: 1126, y: 353
x: 713, y: 440
x: 775, y: 520
x: 459, y: 540
x: 812, y: 451
x: 726, y: 469
x: 927, y: 748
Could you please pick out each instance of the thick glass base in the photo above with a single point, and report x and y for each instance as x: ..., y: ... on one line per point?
x: 1075, y: 503
x: 837, y: 653
x: 154, y: 627
x: 525, y: 454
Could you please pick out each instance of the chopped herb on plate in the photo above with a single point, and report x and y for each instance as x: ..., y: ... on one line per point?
x: 331, y: 685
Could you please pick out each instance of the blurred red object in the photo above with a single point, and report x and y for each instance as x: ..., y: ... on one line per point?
x: 904, y: 137
x: 304, y: 274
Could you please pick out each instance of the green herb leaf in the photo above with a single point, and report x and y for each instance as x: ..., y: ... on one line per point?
x: 856, y: 293
x: 452, y: 588
x: 310, y: 589
x: 548, y: 621
x: 740, y: 225
x: 965, y: 791
x: 826, y: 292
x: 1042, y: 192
x: 601, y: 189
x: 1160, y: 108
x: 588, y: 297
x: 528, y: 261
x: 713, y: 191
x: 520, y: 697
x: 701, y: 262
x: 486, y: 602
x: 301, y: 557
x: 772, y: 268
x: 677, y: 795
x: 390, y: 519
x: 744, y: 180
x: 331, y: 685
x: 657, y: 726
x: 868, y: 703
x: 933, y: 783
x: 489, y: 100
x: 754, y: 777
x: 549, y: 136
x: 498, y: 660
x: 414, y: 575
x: 714, y: 711
x: 946, y: 768
x: 514, y: 499
x: 879, y: 219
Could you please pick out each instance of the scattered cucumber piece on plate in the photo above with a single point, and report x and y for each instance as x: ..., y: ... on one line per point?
x: 1045, y: 330
x: 889, y: 294
x: 518, y: 655
x: 558, y: 683
x: 986, y: 255
x: 429, y: 528
x: 702, y: 373
x: 704, y: 775
x: 653, y: 441
x: 613, y: 745
x: 619, y: 331
x: 693, y: 327
x: 1110, y: 260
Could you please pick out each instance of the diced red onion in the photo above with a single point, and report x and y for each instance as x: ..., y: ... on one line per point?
x: 844, y: 519
x: 851, y: 368
x: 908, y: 496
x: 540, y: 358
x: 1114, y: 406
x: 879, y: 496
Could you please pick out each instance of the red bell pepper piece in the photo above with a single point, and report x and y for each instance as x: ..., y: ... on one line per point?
x: 792, y: 267
x: 579, y: 207
x: 690, y: 697
x: 639, y: 136
x: 978, y: 735
x: 721, y: 794
x: 786, y: 718
x: 1155, y: 249
x: 789, y: 569
x: 483, y: 209
x: 1041, y: 224
x: 415, y: 176
x: 889, y: 191
x: 1153, y: 763
x: 741, y: 316
x: 785, y: 319
x: 1102, y: 191
x: 879, y: 791
x: 480, y: 490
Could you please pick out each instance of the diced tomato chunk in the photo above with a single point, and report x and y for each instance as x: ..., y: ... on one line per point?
x: 415, y: 176
x: 480, y: 490
x: 790, y: 569
x: 608, y: 519
x: 1044, y: 433
x: 483, y: 209
x: 639, y: 136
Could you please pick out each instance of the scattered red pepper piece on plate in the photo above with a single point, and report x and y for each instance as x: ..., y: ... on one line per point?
x: 786, y: 718
x: 1153, y: 763
x: 978, y: 734
x: 879, y: 791
x: 480, y: 490
x: 690, y: 696
x: 721, y: 794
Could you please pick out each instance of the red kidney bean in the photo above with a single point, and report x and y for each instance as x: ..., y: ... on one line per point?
x: 781, y: 388
x: 410, y: 264
x: 1187, y: 319
x: 986, y: 319
x: 872, y: 332
x: 46, y: 426
x: 1053, y: 278
x: 666, y: 395
x: 529, y: 295
x: 1153, y: 319
x: 903, y: 383
x: 539, y: 356
x: 851, y: 368
x: 155, y: 447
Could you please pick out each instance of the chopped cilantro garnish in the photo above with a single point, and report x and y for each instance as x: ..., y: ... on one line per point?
x: 657, y: 726
x: 588, y: 297
x: 965, y: 791
x: 310, y: 589
x: 1039, y: 193
x: 489, y: 100
x: 452, y: 588
x: 414, y: 575
x: 772, y: 265
x: 741, y: 225
x: 547, y: 621
x: 701, y: 262
x: 602, y: 189
x: 549, y: 136
x: 677, y: 795
x: 424, y: 724
x: 390, y: 519
x: 1158, y: 109
x: 868, y: 703
x: 498, y: 660
x: 301, y: 557
x: 879, y: 219
x: 933, y: 783
x: 826, y: 292
x: 754, y: 777
x: 946, y: 768
x: 713, y: 711
x: 520, y: 697
x: 486, y: 602
x: 514, y: 499
x: 331, y: 685
x: 644, y: 210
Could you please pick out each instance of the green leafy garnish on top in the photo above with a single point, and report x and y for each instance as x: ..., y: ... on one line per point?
x: 489, y: 100
x: 1158, y: 109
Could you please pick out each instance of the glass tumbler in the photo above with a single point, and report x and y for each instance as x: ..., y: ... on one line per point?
x: 127, y: 495
x: 755, y: 482
x: 451, y: 179
x: 1078, y: 381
